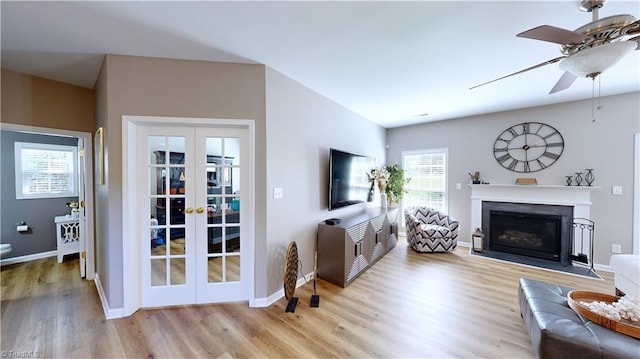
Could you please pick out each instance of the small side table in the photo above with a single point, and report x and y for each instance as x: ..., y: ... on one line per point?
x: 68, y: 235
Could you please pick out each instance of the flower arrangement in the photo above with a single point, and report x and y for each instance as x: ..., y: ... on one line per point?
x: 379, y: 175
x: 390, y: 180
x: 395, y: 184
x: 75, y: 208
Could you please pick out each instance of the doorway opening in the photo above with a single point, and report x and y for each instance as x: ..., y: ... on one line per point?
x: 85, y: 195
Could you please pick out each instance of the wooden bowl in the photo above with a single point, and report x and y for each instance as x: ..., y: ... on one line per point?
x: 574, y: 298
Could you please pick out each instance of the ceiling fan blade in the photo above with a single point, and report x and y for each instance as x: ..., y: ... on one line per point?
x: 636, y: 39
x: 554, y: 34
x: 549, y: 62
x: 566, y: 80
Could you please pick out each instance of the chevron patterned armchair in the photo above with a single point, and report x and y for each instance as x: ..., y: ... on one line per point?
x: 430, y: 230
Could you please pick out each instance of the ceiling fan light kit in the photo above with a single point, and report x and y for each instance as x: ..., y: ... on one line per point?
x: 589, y: 50
x: 595, y: 60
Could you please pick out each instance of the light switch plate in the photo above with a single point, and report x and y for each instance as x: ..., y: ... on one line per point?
x: 278, y: 192
x: 616, y: 190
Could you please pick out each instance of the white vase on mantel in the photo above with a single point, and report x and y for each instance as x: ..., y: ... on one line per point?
x: 383, y: 200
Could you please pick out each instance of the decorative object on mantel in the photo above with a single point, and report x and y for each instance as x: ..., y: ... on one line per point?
x: 526, y: 181
x: 569, y: 179
x: 475, y: 177
x: 477, y: 240
x: 589, y: 177
x: 578, y: 178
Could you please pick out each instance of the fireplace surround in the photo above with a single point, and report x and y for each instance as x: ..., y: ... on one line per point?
x: 576, y: 199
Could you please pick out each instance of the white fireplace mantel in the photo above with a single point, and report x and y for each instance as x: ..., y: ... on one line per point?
x: 577, y: 196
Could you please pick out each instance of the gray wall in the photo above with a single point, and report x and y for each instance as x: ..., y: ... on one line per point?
x: 605, y: 145
x: 301, y: 127
x: 38, y: 213
x: 129, y: 85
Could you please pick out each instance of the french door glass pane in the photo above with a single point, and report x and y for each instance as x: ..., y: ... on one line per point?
x: 214, y: 240
x: 158, y: 272
x: 232, y: 268
x: 177, y: 271
x: 214, y: 266
x: 232, y: 239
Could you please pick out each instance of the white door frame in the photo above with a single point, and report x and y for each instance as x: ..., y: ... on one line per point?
x: 88, y: 182
x: 131, y: 251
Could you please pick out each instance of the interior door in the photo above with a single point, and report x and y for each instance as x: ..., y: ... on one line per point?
x: 82, y: 189
x: 167, y: 219
x: 192, y: 217
x: 221, y: 182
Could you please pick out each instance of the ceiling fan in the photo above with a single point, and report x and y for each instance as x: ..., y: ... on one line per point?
x: 590, y: 49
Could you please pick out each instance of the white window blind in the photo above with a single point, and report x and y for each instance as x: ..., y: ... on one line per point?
x: 45, y: 171
x: 427, y: 170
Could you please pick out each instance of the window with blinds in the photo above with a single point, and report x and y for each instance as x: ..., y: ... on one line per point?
x: 427, y: 170
x: 45, y: 170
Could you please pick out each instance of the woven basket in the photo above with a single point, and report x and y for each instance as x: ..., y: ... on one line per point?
x: 621, y: 326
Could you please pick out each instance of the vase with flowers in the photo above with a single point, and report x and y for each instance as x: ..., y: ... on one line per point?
x: 380, y: 176
x: 75, y: 208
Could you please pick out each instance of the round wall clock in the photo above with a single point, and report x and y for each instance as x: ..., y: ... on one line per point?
x: 528, y: 147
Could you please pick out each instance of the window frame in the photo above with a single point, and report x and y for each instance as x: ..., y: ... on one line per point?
x: 430, y: 151
x: 19, y: 170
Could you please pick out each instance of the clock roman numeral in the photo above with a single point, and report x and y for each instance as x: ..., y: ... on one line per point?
x: 513, y: 132
x: 542, y: 165
x: 503, y: 158
x: 526, y: 167
x: 539, y: 128
x: 513, y: 164
x: 555, y: 144
x: 551, y: 155
x: 551, y: 134
x: 526, y: 127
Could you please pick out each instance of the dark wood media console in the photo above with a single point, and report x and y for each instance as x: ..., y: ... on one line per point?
x: 347, y: 249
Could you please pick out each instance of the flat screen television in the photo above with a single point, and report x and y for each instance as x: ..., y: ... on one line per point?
x: 348, y: 180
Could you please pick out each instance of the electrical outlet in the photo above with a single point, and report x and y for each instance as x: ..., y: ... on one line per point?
x: 616, y: 248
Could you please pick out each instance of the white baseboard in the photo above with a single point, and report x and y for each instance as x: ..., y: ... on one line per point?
x: 28, y: 258
x: 265, y: 302
x: 108, y: 312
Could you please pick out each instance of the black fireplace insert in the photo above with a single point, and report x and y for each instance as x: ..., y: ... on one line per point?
x: 533, y: 230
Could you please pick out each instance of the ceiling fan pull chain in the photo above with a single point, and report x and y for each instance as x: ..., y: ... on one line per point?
x: 599, y: 92
x: 593, y: 99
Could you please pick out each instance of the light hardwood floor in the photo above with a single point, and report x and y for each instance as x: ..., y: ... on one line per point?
x: 406, y: 305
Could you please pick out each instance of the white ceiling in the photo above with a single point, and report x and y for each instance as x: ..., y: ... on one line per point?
x: 387, y: 61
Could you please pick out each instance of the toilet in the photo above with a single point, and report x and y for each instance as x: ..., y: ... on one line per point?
x: 5, y: 248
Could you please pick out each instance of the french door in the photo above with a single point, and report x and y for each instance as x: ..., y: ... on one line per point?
x: 193, y: 223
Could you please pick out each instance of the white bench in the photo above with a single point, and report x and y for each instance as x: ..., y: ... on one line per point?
x: 627, y: 273
x: 68, y: 233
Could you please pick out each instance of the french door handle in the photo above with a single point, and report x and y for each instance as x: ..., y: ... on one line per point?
x: 200, y: 210
x: 189, y: 210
